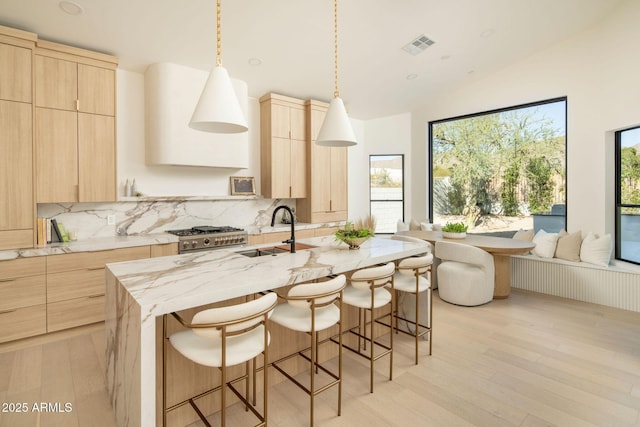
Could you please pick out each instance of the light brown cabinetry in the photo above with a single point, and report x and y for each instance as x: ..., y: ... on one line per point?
x: 326, y: 200
x: 165, y: 249
x: 75, y: 125
x: 282, y: 147
x: 23, y: 292
x: 16, y: 141
x: 76, y: 285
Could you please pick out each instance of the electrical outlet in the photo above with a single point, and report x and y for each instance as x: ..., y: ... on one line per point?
x: 111, y: 219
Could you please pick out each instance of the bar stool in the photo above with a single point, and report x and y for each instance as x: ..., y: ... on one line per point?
x: 220, y: 338
x: 367, y: 291
x: 410, y: 278
x: 311, y: 308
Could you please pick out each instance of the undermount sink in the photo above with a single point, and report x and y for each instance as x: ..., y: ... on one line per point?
x: 273, y: 250
x: 252, y: 253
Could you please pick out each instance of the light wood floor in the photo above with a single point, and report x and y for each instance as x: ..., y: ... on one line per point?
x: 529, y: 360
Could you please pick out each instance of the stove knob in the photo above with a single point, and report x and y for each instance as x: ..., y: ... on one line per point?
x: 194, y: 243
x: 185, y: 244
x: 206, y: 242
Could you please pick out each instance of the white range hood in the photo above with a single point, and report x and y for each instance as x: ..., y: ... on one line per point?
x: 171, y: 94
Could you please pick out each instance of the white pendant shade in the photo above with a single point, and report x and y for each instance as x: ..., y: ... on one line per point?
x: 218, y: 109
x: 336, y: 131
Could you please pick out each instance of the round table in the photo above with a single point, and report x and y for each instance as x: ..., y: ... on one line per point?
x: 500, y: 247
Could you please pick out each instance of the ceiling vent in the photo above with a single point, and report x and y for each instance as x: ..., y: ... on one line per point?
x: 418, y: 45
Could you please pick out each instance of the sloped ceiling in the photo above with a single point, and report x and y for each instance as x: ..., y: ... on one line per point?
x: 293, y: 39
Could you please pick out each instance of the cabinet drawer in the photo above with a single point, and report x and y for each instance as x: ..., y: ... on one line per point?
x: 22, y: 267
x: 23, y: 322
x: 165, y: 249
x: 325, y: 231
x: 334, y: 216
x: 75, y: 284
x: 22, y: 292
x: 75, y: 312
x: 89, y: 260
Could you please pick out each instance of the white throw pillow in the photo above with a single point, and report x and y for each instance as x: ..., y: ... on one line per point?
x: 526, y: 235
x: 596, y: 250
x: 414, y: 224
x: 425, y: 226
x: 402, y: 226
x: 545, y: 244
x: 436, y: 227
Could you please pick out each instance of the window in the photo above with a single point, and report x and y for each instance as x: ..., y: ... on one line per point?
x: 628, y: 195
x: 502, y: 170
x: 386, y: 191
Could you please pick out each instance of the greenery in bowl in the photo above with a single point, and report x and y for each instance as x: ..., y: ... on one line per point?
x: 354, y: 234
x: 455, y: 227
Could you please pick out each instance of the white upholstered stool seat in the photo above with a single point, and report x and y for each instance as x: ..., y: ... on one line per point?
x: 310, y: 308
x: 367, y: 291
x: 208, y: 352
x: 222, y: 337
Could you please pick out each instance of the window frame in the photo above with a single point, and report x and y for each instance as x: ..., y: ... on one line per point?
x: 387, y: 200
x: 494, y: 111
x: 618, y: 197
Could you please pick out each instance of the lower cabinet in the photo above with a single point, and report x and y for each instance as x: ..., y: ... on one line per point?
x: 75, y: 285
x: 23, y: 293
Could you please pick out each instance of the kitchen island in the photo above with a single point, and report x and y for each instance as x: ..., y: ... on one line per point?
x: 138, y: 292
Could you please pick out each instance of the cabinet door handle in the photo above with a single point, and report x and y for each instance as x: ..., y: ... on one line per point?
x: 7, y: 280
x: 96, y: 268
x: 7, y: 311
x: 95, y: 296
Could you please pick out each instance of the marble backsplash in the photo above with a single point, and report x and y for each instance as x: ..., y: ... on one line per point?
x: 146, y: 216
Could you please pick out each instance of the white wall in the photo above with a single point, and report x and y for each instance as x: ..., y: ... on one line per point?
x: 171, y: 180
x: 598, y: 72
x: 387, y: 135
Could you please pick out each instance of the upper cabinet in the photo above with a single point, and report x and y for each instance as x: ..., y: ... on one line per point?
x: 74, y: 124
x: 16, y: 139
x: 15, y: 72
x: 283, y: 153
x: 326, y: 174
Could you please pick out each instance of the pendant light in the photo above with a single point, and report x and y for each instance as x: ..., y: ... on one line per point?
x: 336, y: 130
x: 218, y: 109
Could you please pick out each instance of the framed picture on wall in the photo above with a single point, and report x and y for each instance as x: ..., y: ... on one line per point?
x: 243, y: 185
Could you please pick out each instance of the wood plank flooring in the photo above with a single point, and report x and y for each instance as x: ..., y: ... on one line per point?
x: 530, y: 360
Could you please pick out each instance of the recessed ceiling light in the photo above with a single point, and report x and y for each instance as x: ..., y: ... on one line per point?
x: 487, y: 33
x: 255, y: 61
x: 412, y: 76
x: 71, y: 8
x: 445, y: 57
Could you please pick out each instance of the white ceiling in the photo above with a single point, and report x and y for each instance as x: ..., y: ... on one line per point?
x: 294, y: 40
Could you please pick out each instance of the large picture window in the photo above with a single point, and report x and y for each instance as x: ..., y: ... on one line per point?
x: 628, y: 195
x: 502, y: 170
x: 386, y: 191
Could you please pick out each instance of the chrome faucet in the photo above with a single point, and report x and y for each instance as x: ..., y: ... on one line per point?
x: 292, y: 239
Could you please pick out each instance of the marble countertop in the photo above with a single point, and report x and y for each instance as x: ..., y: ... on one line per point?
x: 116, y: 242
x: 90, y: 245
x: 166, y: 284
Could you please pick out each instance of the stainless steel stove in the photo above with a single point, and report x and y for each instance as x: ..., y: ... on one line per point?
x: 207, y: 237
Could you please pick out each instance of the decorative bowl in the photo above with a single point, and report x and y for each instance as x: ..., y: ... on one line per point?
x: 452, y: 235
x: 354, y: 242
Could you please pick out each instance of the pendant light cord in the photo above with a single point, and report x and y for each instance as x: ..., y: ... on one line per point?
x: 218, y: 36
x: 336, y: 92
